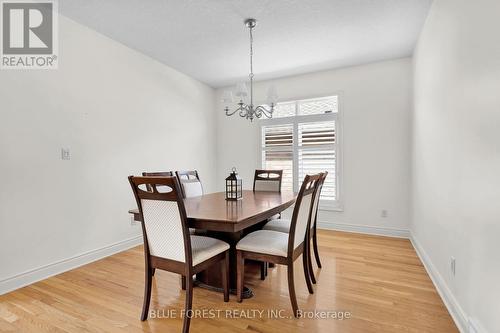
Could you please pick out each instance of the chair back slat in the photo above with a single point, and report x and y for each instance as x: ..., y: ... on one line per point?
x: 191, y: 185
x: 302, y: 212
x: 157, y: 174
x: 165, y: 230
x: 268, y: 180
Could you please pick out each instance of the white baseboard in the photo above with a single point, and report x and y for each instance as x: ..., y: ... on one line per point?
x: 364, y: 229
x: 475, y: 326
x: 44, y: 272
x: 451, y: 303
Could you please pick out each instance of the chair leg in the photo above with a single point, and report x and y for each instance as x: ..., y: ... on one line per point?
x: 147, y: 293
x: 188, y: 307
x: 263, y: 270
x: 183, y: 282
x: 291, y: 290
x: 305, y: 264
x: 315, y: 245
x: 309, y: 261
x: 240, y: 271
x: 225, y: 277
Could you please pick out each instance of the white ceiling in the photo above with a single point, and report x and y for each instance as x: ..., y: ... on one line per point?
x: 207, y: 40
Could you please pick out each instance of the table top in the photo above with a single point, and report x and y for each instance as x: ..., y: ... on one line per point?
x: 212, y: 212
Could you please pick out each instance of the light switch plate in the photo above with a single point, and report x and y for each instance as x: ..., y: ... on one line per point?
x: 65, y: 154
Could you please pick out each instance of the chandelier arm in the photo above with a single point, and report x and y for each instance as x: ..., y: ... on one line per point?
x: 244, y: 110
x: 258, y: 112
x: 228, y: 113
x: 266, y: 112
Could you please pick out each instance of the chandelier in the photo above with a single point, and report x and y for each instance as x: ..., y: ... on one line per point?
x: 245, y: 108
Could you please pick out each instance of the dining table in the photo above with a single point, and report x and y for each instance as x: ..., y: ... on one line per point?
x: 214, y: 216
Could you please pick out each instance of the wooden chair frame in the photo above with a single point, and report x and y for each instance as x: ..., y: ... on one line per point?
x: 188, y: 173
x: 313, y: 235
x: 183, y: 268
x: 308, y: 187
x: 257, y: 176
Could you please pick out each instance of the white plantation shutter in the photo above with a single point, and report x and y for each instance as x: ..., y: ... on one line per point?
x: 306, y: 107
x: 277, y: 152
x: 316, y: 153
x: 302, y: 138
x: 317, y: 106
x: 286, y: 109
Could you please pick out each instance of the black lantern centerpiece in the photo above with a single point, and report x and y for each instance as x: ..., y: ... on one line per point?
x: 234, y: 186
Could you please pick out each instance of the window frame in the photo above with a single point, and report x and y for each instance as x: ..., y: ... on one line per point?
x: 328, y: 205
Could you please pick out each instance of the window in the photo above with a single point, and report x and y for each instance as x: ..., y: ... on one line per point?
x: 303, y: 138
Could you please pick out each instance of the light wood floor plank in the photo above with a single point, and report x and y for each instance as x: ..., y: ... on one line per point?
x: 379, y: 280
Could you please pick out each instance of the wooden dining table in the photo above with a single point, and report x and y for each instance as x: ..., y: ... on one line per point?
x: 213, y: 216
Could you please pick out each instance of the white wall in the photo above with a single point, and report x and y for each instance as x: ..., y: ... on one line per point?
x: 375, y: 105
x: 456, y: 155
x: 120, y: 113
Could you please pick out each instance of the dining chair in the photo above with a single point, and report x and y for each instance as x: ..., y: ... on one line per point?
x: 278, y: 247
x: 167, y: 242
x: 190, y: 183
x: 268, y: 181
x: 283, y: 225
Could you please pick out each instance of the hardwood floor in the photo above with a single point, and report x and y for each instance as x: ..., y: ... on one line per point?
x: 380, y: 281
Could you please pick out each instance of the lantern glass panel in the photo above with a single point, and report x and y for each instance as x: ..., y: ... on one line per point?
x: 233, y: 186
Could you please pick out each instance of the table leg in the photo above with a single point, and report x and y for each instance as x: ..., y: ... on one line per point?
x: 211, y: 278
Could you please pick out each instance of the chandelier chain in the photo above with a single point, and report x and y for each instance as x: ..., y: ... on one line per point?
x: 251, y: 66
x: 244, y: 109
x: 251, y: 52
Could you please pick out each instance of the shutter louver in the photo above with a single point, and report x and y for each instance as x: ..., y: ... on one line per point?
x: 277, y: 152
x: 317, y: 153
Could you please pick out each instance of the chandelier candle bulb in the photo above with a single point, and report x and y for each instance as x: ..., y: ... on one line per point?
x: 244, y: 109
x: 272, y: 95
x: 227, y: 97
x: 241, y: 90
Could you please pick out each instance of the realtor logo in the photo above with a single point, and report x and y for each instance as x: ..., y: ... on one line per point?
x: 29, y: 34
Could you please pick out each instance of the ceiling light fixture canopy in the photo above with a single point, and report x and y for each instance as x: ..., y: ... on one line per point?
x: 248, y: 110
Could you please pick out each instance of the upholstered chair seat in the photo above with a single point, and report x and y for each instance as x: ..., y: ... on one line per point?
x: 280, y: 225
x: 204, y: 248
x: 265, y: 241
